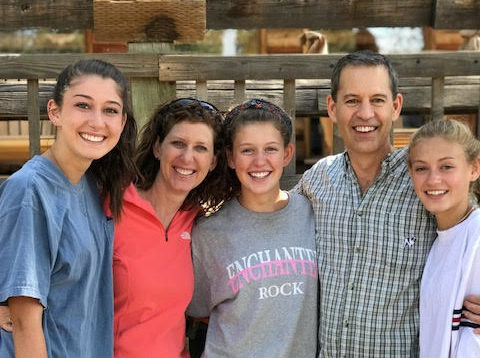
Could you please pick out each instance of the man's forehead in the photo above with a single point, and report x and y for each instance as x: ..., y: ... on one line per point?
x: 374, y: 79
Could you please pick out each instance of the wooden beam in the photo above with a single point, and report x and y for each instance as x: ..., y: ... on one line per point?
x: 202, y: 90
x: 15, y: 149
x: 251, y: 14
x: 49, y: 66
x: 58, y: 14
x: 33, y: 117
x: 461, y: 95
x: 239, y: 91
x: 289, y: 106
x: 176, y: 67
x: 255, y: 14
x: 149, y: 93
x: 448, y: 14
x: 438, y: 98
x: 478, y: 119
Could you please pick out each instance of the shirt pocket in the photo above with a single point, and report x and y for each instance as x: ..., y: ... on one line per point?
x: 409, y: 244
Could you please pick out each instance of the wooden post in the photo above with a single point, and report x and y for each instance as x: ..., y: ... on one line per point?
x: 149, y: 93
x: 289, y: 106
x: 33, y: 117
x: 437, y: 98
x: 239, y: 91
x: 478, y: 120
x: 201, y: 90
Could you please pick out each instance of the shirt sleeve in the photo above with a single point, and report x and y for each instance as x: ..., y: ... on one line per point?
x: 25, y: 255
x: 469, y: 342
x: 200, y: 305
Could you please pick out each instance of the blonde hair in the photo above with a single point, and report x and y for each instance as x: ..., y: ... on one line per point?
x: 453, y: 131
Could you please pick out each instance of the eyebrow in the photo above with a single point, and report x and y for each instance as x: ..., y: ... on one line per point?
x: 249, y: 143
x: 423, y: 161
x: 374, y: 95
x: 178, y: 137
x: 91, y: 98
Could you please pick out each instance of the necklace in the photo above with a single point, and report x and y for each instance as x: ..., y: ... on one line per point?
x: 467, y: 214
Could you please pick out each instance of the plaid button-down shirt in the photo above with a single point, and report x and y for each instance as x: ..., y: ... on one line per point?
x: 371, y: 251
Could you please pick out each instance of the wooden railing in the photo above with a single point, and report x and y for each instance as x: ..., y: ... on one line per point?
x: 430, y: 82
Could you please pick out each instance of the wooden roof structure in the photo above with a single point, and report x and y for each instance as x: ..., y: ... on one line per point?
x: 170, y: 15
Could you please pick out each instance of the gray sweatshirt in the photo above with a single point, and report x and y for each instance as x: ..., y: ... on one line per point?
x: 256, y: 277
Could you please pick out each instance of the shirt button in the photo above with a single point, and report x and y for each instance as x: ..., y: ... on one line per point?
x: 351, y: 286
x: 357, y: 249
x: 359, y: 212
x: 345, y: 323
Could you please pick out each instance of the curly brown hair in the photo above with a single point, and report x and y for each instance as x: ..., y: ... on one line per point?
x: 212, y: 191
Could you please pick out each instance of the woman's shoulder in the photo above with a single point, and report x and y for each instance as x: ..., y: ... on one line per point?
x: 36, y: 183
x: 21, y: 183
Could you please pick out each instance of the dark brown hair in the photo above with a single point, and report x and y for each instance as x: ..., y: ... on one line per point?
x: 363, y: 58
x: 115, y: 170
x: 211, y: 192
x: 253, y: 111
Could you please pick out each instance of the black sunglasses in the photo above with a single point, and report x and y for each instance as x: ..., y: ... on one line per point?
x: 204, y: 104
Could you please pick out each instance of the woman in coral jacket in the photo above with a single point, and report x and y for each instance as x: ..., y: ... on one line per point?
x: 180, y: 163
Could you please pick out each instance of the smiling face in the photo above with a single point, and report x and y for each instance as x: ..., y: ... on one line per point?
x: 258, y: 156
x: 441, y: 176
x: 90, y: 121
x: 186, y: 156
x: 365, y: 110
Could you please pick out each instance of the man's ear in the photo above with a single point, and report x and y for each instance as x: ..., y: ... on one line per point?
x: 53, y: 111
x: 332, y: 108
x: 397, y: 106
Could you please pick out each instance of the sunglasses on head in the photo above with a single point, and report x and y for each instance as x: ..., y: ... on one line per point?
x: 204, y: 104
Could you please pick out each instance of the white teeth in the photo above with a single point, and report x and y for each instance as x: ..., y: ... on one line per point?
x: 436, y: 192
x: 364, y: 129
x: 91, y: 138
x: 184, y: 171
x: 259, y: 174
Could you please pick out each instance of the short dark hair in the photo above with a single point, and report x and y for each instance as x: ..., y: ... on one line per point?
x: 363, y: 58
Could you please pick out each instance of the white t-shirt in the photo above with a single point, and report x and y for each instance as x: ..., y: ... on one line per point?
x: 451, y: 273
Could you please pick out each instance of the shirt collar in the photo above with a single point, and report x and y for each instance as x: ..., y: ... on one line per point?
x: 392, y: 163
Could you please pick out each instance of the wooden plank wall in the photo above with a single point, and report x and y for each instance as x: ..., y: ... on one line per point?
x: 248, y: 14
x: 424, y: 79
x: 59, y: 14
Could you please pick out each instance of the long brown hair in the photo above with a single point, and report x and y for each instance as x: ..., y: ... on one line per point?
x: 114, y: 171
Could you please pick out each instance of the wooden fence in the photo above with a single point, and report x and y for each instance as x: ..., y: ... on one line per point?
x: 432, y: 83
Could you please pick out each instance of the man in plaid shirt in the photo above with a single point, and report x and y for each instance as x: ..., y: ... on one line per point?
x: 373, y: 234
